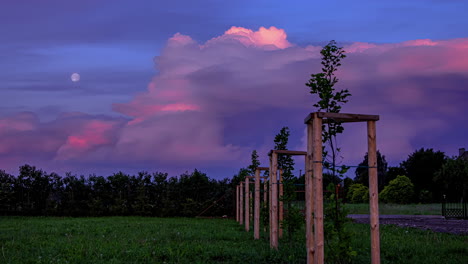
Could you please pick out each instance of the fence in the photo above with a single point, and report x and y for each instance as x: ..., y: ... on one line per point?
x: 455, y: 208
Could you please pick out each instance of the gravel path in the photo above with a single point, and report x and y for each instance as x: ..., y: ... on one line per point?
x: 435, y: 223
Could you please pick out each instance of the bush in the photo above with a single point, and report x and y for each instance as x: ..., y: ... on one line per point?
x: 400, y: 190
x: 358, y: 193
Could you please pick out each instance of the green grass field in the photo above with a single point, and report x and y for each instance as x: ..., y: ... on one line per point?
x: 397, y: 209
x: 184, y: 240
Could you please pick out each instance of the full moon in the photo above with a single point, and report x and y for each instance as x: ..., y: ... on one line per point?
x: 75, y: 77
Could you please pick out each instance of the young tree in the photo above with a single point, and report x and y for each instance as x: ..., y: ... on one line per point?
x: 293, y: 219
x: 285, y: 162
x: 255, y: 163
x: 331, y: 100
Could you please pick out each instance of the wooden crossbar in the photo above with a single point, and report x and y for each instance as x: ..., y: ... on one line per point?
x: 341, y: 117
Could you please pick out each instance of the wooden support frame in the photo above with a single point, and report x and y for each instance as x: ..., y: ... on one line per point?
x: 273, y: 201
x: 314, y: 121
x: 281, y: 205
x: 247, y: 204
x: 237, y: 203
x: 275, y: 231
x: 257, y: 201
x: 241, y: 203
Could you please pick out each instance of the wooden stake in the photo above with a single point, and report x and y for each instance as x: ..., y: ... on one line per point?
x: 309, y: 196
x: 317, y: 172
x: 237, y: 203
x: 269, y: 197
x: 251, y: 208
x: 274, y: 202
x: 247, y: 205
x: 241, y: 204
x: 265, y: 197
x: 257, y: 205
x: 373, y: 193
x: 281, y: 208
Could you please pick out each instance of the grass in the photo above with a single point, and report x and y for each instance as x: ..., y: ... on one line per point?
x: 184, y: 240
x: 397, y: 209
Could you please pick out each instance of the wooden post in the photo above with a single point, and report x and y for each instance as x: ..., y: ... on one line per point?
x: 265, y: 197
x: 241, y: 204
x: 247, y: 205
x: 373, y: 192
x: 251, y: 207
x: 274, y: 201
x: 309, y: 196
x: 281, y: 208
x: 237, y: 203
x: 317, y: 173
x: 257, y: 205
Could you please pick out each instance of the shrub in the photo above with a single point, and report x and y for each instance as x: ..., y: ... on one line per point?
x: 358, y: 193
x: 400, y: 190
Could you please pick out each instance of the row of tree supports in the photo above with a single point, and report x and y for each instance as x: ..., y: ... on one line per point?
x: 313, y: 188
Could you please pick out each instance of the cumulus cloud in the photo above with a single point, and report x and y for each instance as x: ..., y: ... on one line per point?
x: 212, y: 103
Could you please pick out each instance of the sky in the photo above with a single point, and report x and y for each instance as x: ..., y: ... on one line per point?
x: 176, y: 85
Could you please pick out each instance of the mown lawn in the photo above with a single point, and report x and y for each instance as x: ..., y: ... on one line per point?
x: 185, y: 240
x: 397, y: 209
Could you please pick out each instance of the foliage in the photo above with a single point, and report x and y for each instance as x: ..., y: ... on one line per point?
x: 292, y: 219
x: 421, y: 167
x: 331, y: 100
x: 35, y: 192
x: 285, y: 162
x: 255, y: 163
x: 362, y: 172
x: 358, y: 193
x: 399, y: 191
x: 453, y: 178
x: 337, y: 236
x: 347, y: 182
x: 392, y: 173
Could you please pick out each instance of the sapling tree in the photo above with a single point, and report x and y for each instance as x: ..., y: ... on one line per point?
x: 293, y: 218
x: 331, y: 100
x: 255, y: 162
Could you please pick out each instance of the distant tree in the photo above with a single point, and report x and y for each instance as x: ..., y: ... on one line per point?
x: 392, y: 173
x: 421, y: 167
x: 358, y: 193
x: 400, y: 190
x: 7, y: 193
x: 75, y: 195
x: 453, y: 179
x: 347, y: 182
x: 362, y: 172
x: 330, y: 178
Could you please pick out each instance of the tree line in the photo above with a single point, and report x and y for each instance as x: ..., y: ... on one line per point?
x: 36, y: 192
x: 426, y: 176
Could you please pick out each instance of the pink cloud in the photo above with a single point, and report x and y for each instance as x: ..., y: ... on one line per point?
x: 266, y: 38
x: 93, y: 134
x: 212, y: 103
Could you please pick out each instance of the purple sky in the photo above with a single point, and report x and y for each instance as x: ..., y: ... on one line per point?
x: 177, y: 85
